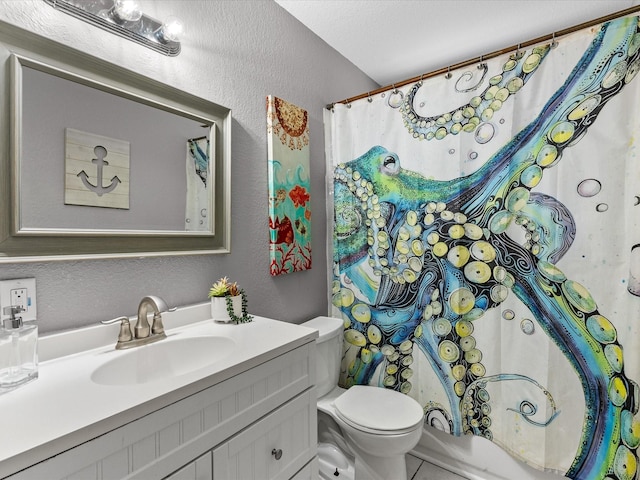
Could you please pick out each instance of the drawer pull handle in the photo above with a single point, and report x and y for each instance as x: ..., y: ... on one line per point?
x: 277, y: 453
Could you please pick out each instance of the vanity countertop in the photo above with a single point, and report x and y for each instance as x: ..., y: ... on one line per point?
x: 65, y: 407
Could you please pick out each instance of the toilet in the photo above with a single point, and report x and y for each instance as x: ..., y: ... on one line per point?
x: 364, y: 432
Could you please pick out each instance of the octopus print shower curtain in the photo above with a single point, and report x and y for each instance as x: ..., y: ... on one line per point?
x: 486, y: 248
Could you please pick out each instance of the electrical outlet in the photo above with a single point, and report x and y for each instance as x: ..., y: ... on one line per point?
x: 19, y: 298
x: 21, y: 292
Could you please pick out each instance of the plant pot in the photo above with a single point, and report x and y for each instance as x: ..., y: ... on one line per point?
x: 219, y: 308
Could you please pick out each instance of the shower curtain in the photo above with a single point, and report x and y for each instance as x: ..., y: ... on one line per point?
x: 485, y: 248
x: 198, y: 171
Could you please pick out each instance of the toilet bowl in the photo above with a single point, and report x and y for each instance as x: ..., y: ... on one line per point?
x: 369, y: 428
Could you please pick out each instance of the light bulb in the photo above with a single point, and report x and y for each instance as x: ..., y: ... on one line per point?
x: 171, y: 29
x: 126, y: 11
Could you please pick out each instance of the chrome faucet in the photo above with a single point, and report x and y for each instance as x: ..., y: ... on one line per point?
x: 142, y: 333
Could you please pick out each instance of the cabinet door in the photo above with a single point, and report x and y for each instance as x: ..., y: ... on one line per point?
x: 274, y: 448
x: 199, y: 469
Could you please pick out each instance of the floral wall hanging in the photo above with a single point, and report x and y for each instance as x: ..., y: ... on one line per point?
x: 289, y: 193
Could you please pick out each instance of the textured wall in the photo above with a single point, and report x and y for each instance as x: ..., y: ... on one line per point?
x: 235, y: 53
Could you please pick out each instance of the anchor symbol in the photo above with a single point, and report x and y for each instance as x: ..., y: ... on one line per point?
x: 99, y: 189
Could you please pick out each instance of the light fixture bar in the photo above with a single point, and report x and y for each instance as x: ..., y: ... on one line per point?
x: 146, y: 31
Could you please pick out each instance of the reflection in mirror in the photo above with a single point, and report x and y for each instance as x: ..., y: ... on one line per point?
x: 93, y: 161
x: 102, y: 162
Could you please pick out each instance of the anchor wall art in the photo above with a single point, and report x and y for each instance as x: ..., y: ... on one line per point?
x: 289, y: 192
x: 485, y: 225
x: 96, y: 170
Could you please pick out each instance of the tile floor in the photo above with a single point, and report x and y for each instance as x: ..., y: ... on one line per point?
x: 418, y: 469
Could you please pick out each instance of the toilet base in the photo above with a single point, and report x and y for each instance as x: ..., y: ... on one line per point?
x: 334, y: 464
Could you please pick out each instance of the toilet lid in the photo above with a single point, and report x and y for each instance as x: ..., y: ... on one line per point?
x: 378, y: 409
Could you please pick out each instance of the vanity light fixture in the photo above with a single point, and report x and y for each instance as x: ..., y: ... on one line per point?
x: 125, y: 18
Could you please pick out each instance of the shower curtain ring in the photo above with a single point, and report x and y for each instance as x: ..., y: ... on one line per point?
x: 481, y: 64
x: 448, y: 75
x: 395, y: 90
x: 517, y: 55
x: 421, y: 80
x: 554, y: 42
x: 369, y: 99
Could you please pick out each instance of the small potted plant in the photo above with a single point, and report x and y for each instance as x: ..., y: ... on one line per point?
x: 228, y: 302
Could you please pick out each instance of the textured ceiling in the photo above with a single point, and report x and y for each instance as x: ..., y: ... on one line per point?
x: 393, y: 40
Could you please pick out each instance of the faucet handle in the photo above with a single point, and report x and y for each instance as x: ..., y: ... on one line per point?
x: 13, y: 321
x: 158, y: 327
x: 125, y: 334
x: 12, y: 310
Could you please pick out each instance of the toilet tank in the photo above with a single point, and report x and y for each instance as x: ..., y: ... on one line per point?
x: 329, y: 352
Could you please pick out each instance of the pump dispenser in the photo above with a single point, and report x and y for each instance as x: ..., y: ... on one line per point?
x: 18, y: 351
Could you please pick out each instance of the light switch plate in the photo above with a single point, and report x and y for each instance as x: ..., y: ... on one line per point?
x: 21, y: 291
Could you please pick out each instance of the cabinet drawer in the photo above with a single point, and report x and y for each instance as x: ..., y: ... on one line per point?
x: 275, y: 447
x: 199, y: 469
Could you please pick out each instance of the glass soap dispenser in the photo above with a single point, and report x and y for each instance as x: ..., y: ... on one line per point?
x: 18, y: 351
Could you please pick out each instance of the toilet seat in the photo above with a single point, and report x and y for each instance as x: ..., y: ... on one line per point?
x: 378, y: 410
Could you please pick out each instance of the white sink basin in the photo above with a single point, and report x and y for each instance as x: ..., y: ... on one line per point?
x: 165, y: 359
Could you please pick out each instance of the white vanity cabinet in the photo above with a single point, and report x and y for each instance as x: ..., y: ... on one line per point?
x: 259, y: 424
x: 200, y: 469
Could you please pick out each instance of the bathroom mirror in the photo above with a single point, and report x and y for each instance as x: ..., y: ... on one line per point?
x: 101, y: 161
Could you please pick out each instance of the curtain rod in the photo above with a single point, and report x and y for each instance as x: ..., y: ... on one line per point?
x: 552, y: 36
